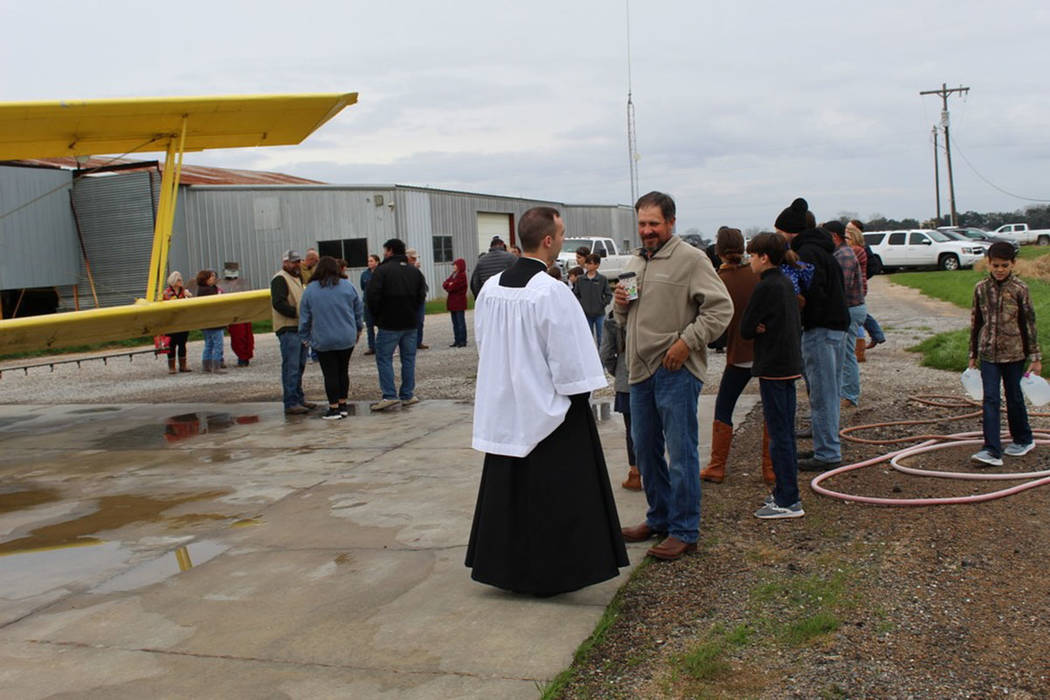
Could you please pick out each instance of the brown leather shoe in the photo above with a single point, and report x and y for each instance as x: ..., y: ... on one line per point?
x: 633, y: 481
x: 671, y: 548
x: 639, y: 533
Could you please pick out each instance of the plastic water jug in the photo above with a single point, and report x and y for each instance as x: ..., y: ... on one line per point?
x: 1035, y: 389
x: 971, y: 381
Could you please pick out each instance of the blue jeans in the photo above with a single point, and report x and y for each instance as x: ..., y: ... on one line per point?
x: 663, y: 412
x: 212, y: 345
x: 459, y: 327
x: 734, y: 379
x: 874, y: 329
x: 778, y: 408
x: 596, y: 323
x: 406, y: 342
x: 850, y: 383
x: 1009, y: 375
x: 293, y: 362
x: 421, y: 315
x: 822, y: 360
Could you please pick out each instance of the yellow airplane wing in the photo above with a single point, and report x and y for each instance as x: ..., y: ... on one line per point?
x: 173, y: 125
x: 120, y: 126
x: 142, y: 319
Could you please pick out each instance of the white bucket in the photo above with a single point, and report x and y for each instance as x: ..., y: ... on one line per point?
x: 1035, y: 389
x: 971, y: 381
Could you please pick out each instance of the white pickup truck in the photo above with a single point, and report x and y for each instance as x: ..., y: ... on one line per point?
x: 613, y: 262
x: 1022, y: 234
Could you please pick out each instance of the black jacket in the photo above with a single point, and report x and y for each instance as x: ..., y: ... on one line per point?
x: 395, y: 293
x: 491, y: 263
x: 778, y: 351
x: 826, y: 297
x: 594, y: 294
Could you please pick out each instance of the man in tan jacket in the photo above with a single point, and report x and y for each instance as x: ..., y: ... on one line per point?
x: 682, y: 306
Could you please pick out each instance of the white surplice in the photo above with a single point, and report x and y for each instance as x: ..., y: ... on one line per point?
x: 535, y: 350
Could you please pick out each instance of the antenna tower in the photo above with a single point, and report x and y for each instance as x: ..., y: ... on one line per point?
x: 632, y: 139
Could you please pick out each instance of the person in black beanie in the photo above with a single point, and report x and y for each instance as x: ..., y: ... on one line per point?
x: 825, y: 320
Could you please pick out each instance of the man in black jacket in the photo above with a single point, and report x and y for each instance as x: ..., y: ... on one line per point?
x: 491, y: 263
x: 394, y: 295
x: 825, y: 320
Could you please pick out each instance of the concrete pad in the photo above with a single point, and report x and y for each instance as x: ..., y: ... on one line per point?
x: 230, y: 550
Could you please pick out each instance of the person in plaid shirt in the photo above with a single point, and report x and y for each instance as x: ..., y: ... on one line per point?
x: 854, y: 286
x: 1002, y: 338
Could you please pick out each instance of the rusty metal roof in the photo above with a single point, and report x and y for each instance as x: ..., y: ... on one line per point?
x: 191, y: 174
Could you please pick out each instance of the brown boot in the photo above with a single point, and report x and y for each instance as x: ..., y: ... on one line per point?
x: 861, y: 346
x: 721, y: 439
x: 767, y: 460
x: 183, y: 367
x: 171, y: 365
x: 634, y: 480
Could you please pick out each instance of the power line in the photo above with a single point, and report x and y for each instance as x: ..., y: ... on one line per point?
x: 992, y: 184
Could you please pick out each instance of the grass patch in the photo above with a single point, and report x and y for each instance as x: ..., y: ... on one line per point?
x: 950, y: 351
x: 799, y: 609
x: 803, y: 631
x: 706, y: 661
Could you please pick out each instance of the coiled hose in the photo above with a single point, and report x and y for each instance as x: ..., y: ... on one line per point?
x: 929, y: 443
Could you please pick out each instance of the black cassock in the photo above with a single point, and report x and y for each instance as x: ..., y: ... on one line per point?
x: 546, y: 523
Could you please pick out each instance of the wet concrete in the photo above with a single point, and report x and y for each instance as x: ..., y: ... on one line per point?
x: 196, y: 550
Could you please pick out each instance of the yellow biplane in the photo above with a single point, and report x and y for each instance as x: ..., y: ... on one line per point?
x: 173, y: 125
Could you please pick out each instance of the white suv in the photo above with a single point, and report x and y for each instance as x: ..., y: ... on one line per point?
x: 922, y: 248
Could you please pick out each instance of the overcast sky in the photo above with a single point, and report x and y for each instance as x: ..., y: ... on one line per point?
x: 741, y: 106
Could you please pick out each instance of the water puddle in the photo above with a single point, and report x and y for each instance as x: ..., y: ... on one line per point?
x: 97, y: 409
x: 12, y: 501
x: 27, y: 573
x: 174, y: 429
x: 164, y: 567
x: 112, y: 512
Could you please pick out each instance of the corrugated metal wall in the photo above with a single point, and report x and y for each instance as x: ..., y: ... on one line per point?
x: 255, y: 225
x: 414, y: 228
x: 116, y: 214
x: 38, y: 242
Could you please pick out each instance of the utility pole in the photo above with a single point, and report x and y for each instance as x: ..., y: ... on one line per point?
x: 936, y: 175
x: 944, y: 92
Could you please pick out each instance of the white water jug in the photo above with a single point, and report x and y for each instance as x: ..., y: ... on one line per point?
x: 1035, y: 389
x: 971, y: 381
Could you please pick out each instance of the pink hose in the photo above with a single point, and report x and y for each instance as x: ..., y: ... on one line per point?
x: 1037, y: 478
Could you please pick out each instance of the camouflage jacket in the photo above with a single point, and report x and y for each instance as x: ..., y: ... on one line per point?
x: 1002, y: 327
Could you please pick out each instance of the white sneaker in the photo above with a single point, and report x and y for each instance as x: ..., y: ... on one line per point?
x: 1015, y: 450
x: 986, y: 457
x: 771, y: 511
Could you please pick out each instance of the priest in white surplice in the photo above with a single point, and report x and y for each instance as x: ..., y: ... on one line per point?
x: 545, y: 521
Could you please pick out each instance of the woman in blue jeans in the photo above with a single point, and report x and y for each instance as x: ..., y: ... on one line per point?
x: 211, y: 359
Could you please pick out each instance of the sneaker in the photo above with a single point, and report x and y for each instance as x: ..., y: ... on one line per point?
x: 769, y: 499
x: 332, y: 414
x: 296, y: 410
x: 771, y: 511
x: 815, y: 465
x: 343, y: 410
x: 986, y: 457
x: 1015, y: 450
x: 410, y: 402
x: 384, y: 404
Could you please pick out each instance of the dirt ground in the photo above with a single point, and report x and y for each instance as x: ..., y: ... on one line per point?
x: 851, y: 600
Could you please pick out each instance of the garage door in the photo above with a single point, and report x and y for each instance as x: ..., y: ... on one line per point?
x: 490, y: 225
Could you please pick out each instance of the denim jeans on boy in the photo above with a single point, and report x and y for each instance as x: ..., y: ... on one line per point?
x: 734, y: 379
x: 293, y: 362
x: 1008, y: 374
x: 212, y: 345
x: 874, y: 329
x: 822, y: 355
x: 778, y: 408
x: 850, y: 387
x: 459, y: 327
x: 596, y: 324
x: 663, y: 412
x: 406, y: 342
x: 370, y: 328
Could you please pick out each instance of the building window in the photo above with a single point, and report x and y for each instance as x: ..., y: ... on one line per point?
x: 353, y: 250
x: 442, y: 249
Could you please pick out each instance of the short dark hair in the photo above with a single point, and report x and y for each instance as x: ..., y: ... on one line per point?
x: 326, y: 272
x: 577, y: 270
x: 203, y: 276
x: 657, y: 199
x: 373, y: 256
x: 769, y: 244
x: 396, y: 246
x: 1001, y: 250
x: 583, y: 251
x: 535, y: 225
x: 593, y: 259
